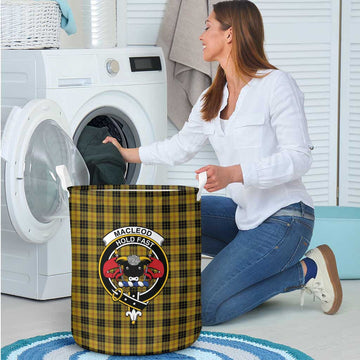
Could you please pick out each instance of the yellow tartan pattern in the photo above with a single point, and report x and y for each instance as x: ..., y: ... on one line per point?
x: 172, y: 320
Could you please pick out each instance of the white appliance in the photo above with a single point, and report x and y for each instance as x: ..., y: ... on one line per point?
x: 47, y: 94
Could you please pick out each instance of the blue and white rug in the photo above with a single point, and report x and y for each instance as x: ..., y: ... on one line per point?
x: 209, y: 346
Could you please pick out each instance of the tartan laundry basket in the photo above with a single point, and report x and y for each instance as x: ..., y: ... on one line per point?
x: 136, y: 267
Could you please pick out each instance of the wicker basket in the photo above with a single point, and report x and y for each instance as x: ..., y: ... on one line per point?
x: 27, y: 24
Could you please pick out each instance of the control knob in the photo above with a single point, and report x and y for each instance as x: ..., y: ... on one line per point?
x: 112, y: 67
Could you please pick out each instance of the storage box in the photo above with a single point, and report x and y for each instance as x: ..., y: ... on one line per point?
x: 339, y: 227
x: 27, y: 24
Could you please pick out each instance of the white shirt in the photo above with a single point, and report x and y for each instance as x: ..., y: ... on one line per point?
x: 267, y: 135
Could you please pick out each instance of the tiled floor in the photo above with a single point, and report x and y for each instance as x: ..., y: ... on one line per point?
x: 280, y: 320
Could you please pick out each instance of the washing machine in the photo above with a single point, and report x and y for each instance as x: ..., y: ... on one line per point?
x: 48, y: 98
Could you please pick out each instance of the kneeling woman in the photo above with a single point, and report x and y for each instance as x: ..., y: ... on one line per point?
x: 253, y: 116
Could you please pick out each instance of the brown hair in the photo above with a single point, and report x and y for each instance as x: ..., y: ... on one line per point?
x: 247, y: 50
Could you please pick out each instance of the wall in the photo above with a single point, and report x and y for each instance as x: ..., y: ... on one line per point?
x: 140, y: 23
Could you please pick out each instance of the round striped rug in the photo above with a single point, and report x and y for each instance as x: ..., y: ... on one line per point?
x: 209, y: 346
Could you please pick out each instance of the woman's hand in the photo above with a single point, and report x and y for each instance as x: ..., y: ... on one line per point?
x: 114, y: 142
x: 129, y: 155
x: 218, y: 177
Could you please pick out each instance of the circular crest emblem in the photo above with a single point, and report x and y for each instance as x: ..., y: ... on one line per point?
x: 133, y: 268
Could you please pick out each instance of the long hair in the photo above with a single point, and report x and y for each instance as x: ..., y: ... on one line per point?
x: 247, y: 50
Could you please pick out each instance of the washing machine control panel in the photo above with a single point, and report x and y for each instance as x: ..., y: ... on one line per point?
x: 112, y: 67
x: 145, y: 63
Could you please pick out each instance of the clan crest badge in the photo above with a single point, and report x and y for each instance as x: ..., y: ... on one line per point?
x: 133, y: 268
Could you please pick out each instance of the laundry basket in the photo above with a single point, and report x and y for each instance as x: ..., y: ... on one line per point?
x: 27, y: 24
x: 136, y: 266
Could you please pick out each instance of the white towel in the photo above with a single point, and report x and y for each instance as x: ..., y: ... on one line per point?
x: 187, y: 73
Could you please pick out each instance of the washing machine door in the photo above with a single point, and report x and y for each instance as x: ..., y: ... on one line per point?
x: 41, y: 161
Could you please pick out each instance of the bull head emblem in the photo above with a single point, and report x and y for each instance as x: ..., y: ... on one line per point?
x: 133, y: 267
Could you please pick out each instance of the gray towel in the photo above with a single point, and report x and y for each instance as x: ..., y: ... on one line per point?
x: 187, y: 73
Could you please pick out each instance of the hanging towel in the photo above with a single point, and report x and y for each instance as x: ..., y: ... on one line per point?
x: 188, y: 75
x: 67, y: 17
x: 105, y: 163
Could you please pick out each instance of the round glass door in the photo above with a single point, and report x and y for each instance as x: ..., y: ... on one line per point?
x: 41, y: 161
x: 49, y: 148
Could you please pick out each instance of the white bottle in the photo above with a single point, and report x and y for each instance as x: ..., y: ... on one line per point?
x: 99, y: 23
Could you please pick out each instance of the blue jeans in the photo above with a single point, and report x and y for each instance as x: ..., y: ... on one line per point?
x: 249, y: 266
